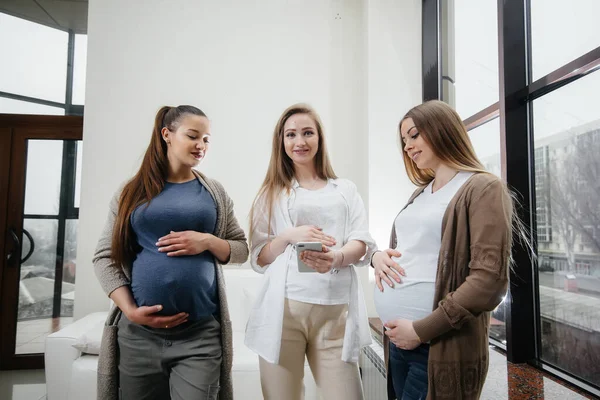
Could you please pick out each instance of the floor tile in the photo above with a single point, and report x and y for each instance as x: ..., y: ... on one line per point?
x: 22, y: 385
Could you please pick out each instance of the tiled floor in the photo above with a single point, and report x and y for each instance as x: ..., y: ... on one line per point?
x: 22, y: 385
x: 31, y: 334
x: 521, y: 382
x: 504, y: 381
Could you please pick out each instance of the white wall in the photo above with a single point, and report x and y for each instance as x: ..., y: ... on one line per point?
x: 395, y: 86
x: 243, y: 65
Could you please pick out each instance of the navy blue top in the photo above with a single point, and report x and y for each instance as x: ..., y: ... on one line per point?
x: 180, y: 283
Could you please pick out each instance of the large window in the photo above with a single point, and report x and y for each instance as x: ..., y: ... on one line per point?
x: 43, y: 72
x: 486, y: 142
x: 38, y: 59
x: 561, y: 32
x: 523, y: 76
x: 39, y: 79
x: 475, y: 62
x: 567, y: 171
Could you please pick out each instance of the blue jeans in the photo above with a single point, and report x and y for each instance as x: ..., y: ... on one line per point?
x: 408, y: 369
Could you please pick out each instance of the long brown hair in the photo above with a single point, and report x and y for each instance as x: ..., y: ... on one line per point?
x: 147, y: 183
x: 280, y: 173
x: 443, y: 130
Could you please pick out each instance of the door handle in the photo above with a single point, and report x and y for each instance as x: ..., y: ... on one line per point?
x: 17, y: 248
x: 31, y: 246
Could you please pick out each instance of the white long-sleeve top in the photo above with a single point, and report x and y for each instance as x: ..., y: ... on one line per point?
x: 264, y: 328
x: 325, y: 208
x: 419, y: 239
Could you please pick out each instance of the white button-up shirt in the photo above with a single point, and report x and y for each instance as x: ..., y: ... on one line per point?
x: 264, y: 328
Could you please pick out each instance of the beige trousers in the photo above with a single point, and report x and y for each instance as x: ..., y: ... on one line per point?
x: 317, y: 332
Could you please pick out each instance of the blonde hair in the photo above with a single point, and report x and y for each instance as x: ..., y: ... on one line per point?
x: 281, y: 173
x: 443, y: 130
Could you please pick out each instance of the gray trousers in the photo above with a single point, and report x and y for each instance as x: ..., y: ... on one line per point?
x: 182, y: 363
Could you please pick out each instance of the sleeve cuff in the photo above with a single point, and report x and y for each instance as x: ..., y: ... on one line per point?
x: 239, y: 252
x: 432, y: 326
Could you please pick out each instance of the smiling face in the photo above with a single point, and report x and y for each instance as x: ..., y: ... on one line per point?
x: 416, y: 148
x: 188, y: 144
x: 301, y: 139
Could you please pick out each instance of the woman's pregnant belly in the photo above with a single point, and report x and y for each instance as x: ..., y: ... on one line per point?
x: 179, y: 284
x: 409, y: 300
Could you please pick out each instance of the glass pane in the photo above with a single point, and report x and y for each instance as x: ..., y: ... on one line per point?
x: 78, y: 174
x: 560, y: 33
x: 70, y: 257
x: 39, y: 299
x: 42, y: 262
x: 498, y: 323
x: 475, y: 69
x: 486, y: 142
x: 567, y: 171
x: 38, y: 59
x: 79, y: 69
x: 44, y: 167
x: 36, y: 286
x: 10, y: 106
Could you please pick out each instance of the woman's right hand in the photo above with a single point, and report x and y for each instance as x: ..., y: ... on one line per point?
x: 386, y: 269
x: 308, y: 233
x: 147, y: 316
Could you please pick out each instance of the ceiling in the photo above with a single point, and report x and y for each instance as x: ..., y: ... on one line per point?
x: 60, y: 14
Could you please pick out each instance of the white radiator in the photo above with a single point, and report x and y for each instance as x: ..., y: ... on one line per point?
x: 372, y: 366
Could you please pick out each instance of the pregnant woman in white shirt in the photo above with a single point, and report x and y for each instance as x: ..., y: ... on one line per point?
x: 320, y: 314
x: 447, y: 265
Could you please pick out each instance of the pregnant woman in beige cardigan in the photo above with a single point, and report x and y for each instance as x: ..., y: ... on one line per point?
x: 159, y: 259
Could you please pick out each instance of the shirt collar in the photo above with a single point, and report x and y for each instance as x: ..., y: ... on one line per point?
x: 296, y: 185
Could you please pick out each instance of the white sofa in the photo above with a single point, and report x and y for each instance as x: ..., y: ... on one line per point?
x: 71, y: 374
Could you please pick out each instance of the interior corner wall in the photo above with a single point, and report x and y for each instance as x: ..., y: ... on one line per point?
x: 394, y: 86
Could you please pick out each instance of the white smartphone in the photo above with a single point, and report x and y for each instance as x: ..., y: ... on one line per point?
x: 300, y: 247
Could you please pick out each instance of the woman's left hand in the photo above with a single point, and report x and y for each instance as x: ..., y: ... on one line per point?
x: 186, y: 243
x: 402, y: 334
x: 321, y: 261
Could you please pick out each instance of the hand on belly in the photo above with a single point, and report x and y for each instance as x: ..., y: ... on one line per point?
x: 147, y: 315
x: 187, y: 243
x: 387, y: 269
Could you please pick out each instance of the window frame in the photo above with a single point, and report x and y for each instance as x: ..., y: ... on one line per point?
x: 515, y: 110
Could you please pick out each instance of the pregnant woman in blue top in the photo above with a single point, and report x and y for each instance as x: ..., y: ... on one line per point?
x: 172, y: 229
